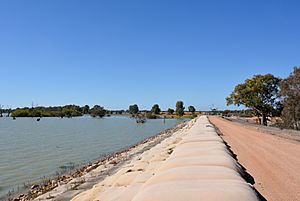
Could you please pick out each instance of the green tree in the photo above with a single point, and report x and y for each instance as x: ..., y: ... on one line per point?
x: 192, y: 109
x: 67, y: 112
x: 290, y: 91
x: 20, y: 113
x: 170, y: 111
x: 261, y: 93
x: 155, y: 109
x: 150, y: 115
x: 133, y: 109
x: 180, y: 108
x: 36, y: 112
x: 71, y: 111
x: 98, y: 111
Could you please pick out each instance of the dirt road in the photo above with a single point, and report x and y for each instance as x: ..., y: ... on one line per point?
x: 273, y: 162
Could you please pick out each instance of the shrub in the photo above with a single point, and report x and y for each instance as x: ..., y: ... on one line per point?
x: 170, y: 111
x: 150, y: 115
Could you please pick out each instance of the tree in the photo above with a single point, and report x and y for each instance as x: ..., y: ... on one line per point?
x: 150, y: 115
x: 133, y: 109
x: 290, y: 91
x: 261, y: 93
x: 155, y: 109
x: 85, y: 109
x: 192, y: 109
x: 179, y: 108
x: 70, y: 112
x: 8, y: 111
x: 20, y: 113
x: 98, y: 111
x: 170, y: 111
x: 1, y: 110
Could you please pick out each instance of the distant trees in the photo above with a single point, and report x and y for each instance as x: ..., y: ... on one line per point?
x: 20, y: 113
x: 133, y: 109
x: 261, y: 93
x: 290, y: 91
x: 71, y: 111
x: 192, y: 109
x: 1, y: 110
x: 155, y: 109
x: 67, y: 112
x: 8, y: 111
x: 239, y: 113
x: 179, y: 108
x: 150, y: 115
x: 86, y: 109
x: 170, y: 111
x: 58, y: 111
x: 98, y: 111
x: 26, y: 112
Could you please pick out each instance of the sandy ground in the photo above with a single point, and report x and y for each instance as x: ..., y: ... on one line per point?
x: 272, y: 161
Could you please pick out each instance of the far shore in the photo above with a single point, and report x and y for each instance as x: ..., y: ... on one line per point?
x: 187, y: 115
x: 164, y: 115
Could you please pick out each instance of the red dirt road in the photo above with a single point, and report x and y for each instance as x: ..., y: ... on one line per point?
x: 273, y: 162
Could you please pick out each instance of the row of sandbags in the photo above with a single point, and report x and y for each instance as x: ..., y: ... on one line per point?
x: 200, y: 168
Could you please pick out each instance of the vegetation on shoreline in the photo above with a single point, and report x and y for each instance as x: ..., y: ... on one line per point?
x: 59, y: 111
x: 98, y: 111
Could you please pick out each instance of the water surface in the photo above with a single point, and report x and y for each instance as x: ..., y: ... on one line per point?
x: 30, y: 150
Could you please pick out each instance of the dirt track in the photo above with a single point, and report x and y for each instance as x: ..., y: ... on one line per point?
x: 273, y: 162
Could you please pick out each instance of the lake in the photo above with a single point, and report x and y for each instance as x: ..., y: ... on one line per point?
x: 31, y: 150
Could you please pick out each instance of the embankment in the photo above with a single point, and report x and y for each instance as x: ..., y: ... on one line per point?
x: 192, y: 164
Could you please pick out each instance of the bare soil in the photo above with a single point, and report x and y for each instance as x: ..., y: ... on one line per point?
x: 272, y: 161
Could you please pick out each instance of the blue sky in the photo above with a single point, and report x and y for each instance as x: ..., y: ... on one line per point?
x: 116, y: 53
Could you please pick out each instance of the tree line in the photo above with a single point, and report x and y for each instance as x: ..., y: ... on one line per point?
x: 270, y: 96
x: 58, y: 111
x: 95, y: 111
x: 155, y: 110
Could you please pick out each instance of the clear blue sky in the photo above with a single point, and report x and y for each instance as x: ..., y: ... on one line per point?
x: 116, y: 53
